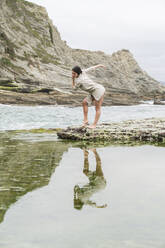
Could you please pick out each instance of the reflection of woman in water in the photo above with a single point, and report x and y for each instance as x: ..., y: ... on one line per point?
x: 96, y: 183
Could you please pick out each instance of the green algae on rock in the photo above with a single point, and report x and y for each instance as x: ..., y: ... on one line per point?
x: 147, y: 130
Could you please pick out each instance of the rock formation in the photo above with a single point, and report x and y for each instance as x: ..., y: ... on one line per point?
x: 147, y: 130
x: 35, y: 63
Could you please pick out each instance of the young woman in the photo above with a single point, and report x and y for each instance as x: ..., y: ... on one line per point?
x: 96, y: 91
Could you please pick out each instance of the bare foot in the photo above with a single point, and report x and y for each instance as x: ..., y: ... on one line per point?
x: 92, y: 126
x: 102, y: 206
x: 85, y: 123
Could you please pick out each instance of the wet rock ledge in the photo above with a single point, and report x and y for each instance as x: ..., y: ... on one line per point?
x: 146, y: 130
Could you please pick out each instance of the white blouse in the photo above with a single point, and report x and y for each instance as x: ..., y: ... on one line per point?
x: 85, y: 83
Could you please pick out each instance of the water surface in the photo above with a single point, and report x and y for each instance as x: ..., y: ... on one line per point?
x: 73, y: 195
x: 58, y: 194
x: 26, y: 117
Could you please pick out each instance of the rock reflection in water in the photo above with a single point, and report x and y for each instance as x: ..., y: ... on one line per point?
x: 24, y: 167
x: 96, y: 183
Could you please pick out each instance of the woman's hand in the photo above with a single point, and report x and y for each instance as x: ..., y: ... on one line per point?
x: 100, y: 65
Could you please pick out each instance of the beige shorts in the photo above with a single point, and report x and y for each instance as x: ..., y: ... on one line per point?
x: 96, y: 95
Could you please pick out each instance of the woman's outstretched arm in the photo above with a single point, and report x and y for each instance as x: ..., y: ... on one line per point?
x: 94, y: 67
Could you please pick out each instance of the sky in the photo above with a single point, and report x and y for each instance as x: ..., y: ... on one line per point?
x: 112, y: 25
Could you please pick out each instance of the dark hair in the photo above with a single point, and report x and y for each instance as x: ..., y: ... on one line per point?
x: 77, y: 69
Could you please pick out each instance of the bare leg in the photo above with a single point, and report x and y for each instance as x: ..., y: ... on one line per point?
x: 98, y: 111
x: 85, y: 111
x: 86, y: 163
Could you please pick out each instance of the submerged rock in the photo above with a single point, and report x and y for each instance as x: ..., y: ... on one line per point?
x: 158, y: 102
x: 147, y: 130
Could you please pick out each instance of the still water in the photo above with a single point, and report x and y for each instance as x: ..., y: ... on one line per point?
x: 73, y: 195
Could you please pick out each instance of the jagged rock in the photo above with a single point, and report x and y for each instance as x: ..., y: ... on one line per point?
x: 147, y: 130
x: 33, y: 55
x: 158, y: 102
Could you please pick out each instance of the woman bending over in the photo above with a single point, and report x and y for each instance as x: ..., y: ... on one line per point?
x: 96, y: 92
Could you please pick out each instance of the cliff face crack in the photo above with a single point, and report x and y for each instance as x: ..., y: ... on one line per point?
x: 51, y: 34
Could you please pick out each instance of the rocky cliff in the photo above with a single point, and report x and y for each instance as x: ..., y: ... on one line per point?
x: 35, y: 63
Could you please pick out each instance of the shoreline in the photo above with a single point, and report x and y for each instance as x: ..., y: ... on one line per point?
x: 72, y: 105
x: 73, y: 100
